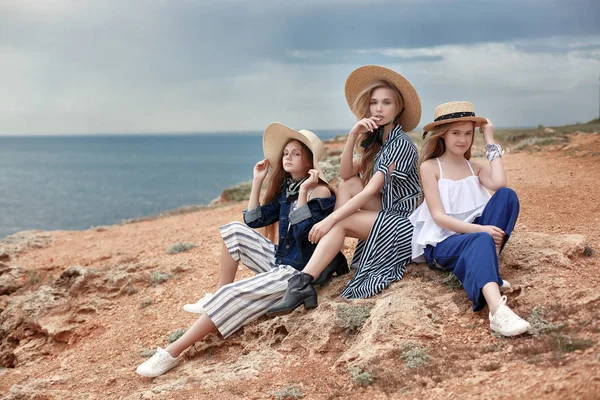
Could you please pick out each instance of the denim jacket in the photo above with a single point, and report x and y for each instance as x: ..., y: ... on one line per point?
x: 293, y: 248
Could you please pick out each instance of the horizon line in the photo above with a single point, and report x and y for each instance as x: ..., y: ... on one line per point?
x: 238, y: 132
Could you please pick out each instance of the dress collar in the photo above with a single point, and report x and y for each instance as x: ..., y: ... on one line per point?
x: 394, y: 134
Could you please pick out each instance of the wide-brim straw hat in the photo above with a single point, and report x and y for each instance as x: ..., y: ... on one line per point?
x: 277, y: 135
x: 452, y: 112
x: 358, y: 80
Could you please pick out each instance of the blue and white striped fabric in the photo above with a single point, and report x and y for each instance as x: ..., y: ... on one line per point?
x: 387, y: 250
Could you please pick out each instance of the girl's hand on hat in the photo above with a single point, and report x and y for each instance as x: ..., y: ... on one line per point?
x: 487, y: 129
x: 319, y: 230
x: 496, y: 233
x: 261, y: 169
x: 311, y: 182
x: 365, y: 125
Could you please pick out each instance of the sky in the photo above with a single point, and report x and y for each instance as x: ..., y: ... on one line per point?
x: 124, y: 66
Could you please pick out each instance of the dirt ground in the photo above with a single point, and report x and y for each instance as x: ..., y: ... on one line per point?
x: 559, y: 194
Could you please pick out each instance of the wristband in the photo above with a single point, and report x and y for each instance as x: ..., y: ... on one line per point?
x: 493, y: 151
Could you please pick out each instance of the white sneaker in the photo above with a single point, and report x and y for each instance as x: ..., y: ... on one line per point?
x: 198, y: 307
x: 505, y: 286
x: 506, y: 322
x: 158, y: 364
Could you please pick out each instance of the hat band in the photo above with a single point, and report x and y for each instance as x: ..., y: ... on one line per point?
x: 451, y: 116
x: 454, y: 115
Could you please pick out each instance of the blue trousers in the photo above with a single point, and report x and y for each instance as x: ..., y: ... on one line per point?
x: 472, y: 256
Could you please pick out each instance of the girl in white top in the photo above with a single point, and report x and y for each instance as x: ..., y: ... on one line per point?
x: 459, y: 227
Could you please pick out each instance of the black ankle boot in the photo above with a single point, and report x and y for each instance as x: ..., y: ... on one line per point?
x: 339, y: 265
x: 299, y: 291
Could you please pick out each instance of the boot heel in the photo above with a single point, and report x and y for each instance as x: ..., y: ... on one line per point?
x: 342, y: 269
x: 311, y: 302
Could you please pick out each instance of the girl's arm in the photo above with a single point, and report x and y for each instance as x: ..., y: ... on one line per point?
x: 429, y: 180
x: 308, y: 213
x: 260, y: 173
x: 492, y: 176
x: 348, y: 168
x: 319, y: 206
x: 254, y: 215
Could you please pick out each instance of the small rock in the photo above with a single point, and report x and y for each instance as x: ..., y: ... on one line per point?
x: 4, y: 256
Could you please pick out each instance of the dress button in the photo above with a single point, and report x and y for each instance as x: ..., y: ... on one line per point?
x: 287, y: 246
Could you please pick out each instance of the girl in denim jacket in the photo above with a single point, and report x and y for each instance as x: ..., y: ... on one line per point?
x: 297, y: 197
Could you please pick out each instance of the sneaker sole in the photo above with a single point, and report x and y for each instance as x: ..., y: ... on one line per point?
x: 510, y: 334
x: 148, y: 375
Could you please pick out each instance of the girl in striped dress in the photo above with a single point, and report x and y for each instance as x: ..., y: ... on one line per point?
x: 297, y: 197
x: 373, y: 209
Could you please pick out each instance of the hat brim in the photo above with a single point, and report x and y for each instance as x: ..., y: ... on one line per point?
x: 277, y: 135
x: 363, y: 76
x: 478, y: 122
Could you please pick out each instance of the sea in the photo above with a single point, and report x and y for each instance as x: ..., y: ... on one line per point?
x: 77, y: 182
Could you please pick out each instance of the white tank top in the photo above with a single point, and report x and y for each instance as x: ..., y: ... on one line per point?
x: 464, y: 200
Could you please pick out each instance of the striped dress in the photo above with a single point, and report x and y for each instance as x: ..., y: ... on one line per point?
x: 382, y: 259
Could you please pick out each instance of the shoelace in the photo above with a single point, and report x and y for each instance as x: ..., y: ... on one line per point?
x: 161, y: 356
x: 507, y: 315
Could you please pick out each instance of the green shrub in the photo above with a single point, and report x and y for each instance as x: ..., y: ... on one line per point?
x: 539, y: 141
x: 288, y: 392
x: 147, y: 353
x: 180, y: 247
x: 176, y: 335
x: 239, y: 192
x: 352, y: 318
x: 157, y: 277
x: 361, y: 377
x: 146, y: 303
x: 539, y: 324
x: 413, y: 355
x: 452, y: 281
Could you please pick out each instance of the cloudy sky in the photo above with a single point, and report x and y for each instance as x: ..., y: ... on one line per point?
x: 100, y: 66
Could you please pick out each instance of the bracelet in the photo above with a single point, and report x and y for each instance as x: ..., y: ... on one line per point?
x: 493, y: 151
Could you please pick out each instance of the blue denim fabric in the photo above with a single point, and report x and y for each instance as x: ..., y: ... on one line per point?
x: 472, y: 256
x: 293, y: 248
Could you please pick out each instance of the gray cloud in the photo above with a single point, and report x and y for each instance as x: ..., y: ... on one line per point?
x: 70, y: 66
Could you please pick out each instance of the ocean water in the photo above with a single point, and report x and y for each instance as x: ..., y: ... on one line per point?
x: 75, y: 182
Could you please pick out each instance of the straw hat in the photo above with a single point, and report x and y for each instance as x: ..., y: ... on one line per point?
x: 277, y: 135
x: 363, y: 76
x: 452, y: 112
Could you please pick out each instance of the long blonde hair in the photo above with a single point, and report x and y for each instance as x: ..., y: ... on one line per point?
x: 277, y: 176
x: 434, y: 146
x: 361, y: 109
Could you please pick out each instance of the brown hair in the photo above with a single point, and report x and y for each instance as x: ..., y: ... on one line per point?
x: 277, y: 176
x: 361, y: 109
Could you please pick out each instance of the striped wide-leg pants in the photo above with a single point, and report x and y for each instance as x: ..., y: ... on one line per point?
x: 239, y: 303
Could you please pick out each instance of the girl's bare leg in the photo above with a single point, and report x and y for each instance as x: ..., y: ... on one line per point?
x: 198, y: 331
x: 357, y: 225
x: 491, y: 292
x: 229, y: 268
x: 349, y: 188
